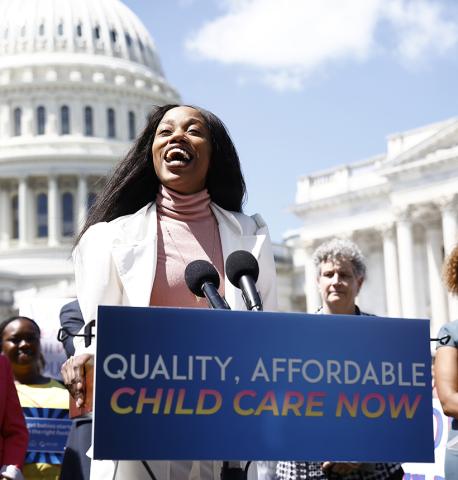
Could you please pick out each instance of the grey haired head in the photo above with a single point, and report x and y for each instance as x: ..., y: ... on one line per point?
x: 338, y: 249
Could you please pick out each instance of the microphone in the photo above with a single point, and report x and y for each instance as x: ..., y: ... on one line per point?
x: 242, y: 270
x: 202, y: 279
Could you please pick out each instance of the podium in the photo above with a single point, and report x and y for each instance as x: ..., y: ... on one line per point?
x: 182, y: 384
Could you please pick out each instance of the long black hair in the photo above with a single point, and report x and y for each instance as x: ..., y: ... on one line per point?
x: 134, y: 183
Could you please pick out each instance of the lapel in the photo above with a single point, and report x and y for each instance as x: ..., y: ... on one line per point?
x: 134, y: 254
x: 233, y: 237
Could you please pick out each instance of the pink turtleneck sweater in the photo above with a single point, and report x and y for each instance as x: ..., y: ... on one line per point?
x: 186, y: 230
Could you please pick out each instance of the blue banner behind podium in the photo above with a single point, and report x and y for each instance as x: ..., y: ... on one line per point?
x: 217, y: 384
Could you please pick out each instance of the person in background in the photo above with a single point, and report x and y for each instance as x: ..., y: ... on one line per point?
x: 13, y: 432
x: 71, y: 321
x: 341, y: 270
x: 76, y: 464
x: 20, y: 343
x: 446, y: 370
x: 175, y: 198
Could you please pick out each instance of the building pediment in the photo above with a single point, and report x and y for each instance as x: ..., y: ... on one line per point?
x: 410, y: 147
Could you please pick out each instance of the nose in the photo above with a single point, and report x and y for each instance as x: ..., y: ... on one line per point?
x: 23, y: 343
x: 336, y: 278
x: 177, y: 134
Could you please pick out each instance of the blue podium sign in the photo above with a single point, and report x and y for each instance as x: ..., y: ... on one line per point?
x: 176, y: 384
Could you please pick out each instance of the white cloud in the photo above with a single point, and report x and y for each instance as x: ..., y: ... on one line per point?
x: 287, y: 40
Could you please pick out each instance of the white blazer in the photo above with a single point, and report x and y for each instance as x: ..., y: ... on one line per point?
x: 115, y: 264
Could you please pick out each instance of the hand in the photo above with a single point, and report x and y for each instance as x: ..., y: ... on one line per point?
x: 74, y: 376
x: 340, y: 468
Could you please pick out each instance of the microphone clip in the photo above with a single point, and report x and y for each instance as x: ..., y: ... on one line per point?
x: 64, y: 333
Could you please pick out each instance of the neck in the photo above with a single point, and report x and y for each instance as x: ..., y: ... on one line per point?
x: 339, y: 309
x: 28, y: 376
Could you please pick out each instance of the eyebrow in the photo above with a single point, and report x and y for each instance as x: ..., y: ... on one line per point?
x: 189, y: 121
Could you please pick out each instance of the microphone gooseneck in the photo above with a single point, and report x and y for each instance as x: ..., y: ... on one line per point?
x: 202, y: 279
x: 242, y: 270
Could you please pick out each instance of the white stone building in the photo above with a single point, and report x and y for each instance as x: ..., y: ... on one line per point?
x: 77, y: 79
x: 401, y: 209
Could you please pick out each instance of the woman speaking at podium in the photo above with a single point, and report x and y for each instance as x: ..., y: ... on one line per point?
x: 176, y: 197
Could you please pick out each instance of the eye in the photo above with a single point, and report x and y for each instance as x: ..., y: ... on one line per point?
x: 164, y: 132
x: 194, y: 131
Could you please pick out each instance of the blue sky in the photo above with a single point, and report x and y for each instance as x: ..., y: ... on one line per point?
x: 304, y: 85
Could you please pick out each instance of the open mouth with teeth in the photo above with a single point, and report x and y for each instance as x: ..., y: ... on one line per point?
x: 177, y: 156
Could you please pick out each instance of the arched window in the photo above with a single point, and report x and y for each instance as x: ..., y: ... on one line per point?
x: 64, y: 120
x: 42, y: 215
x: 131, y: 125
x: 79, y: 30
x: 41, y: 29
x: 60, y: 29
x: 41, y: 120
x: 128, y: 40
x: 114, y: 36
x: 88, y: 122
x: 14, y: 217
x: 97, y: 32
x: 68, y: 215
x: 91, y: 197
x: 111, y: 123
x: 17, y: 121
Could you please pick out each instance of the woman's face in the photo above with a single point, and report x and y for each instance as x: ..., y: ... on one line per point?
x: 21, y: 342
x: 182, y: 150
x: 339, y: 285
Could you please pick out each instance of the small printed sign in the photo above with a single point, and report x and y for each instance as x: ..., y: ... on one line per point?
x: 48, y: 433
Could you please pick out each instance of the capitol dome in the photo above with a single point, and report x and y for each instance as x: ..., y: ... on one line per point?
x: 105, y: 28
x: 77, y: 80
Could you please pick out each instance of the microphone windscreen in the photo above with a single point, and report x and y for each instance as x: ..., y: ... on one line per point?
x: 241, y: 263
x: 197, y: 273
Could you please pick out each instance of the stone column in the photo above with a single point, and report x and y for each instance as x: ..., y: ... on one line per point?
x: 439, y: 307
x: 28, y: 119
x: 6, y: 125
x: 5, y: 217
x: 82, y: 202
x: 23, y: 197
x: 448, y: 206
x: 100, y: 120
x: 406, y: 264
x: 76, y: 117
x: 53, y: 211
x: 122, y: 122
x: 390, y: 262
x: 311, y: 290
x: 52, y: 118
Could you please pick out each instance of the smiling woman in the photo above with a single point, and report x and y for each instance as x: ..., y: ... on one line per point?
x: 182, y: 150
x: 176, y: 197
x: 20, y: 343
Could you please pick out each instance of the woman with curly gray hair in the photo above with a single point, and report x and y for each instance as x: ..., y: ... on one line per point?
x: 341, y: 270
x: 446, y: 369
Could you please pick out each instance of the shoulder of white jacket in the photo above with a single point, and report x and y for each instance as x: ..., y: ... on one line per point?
x: 247, y: 224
